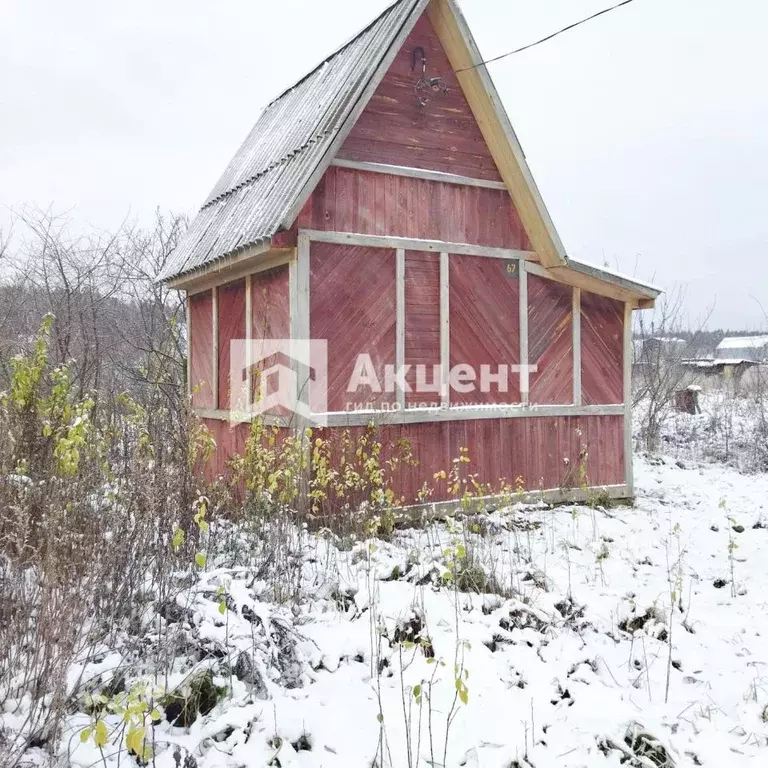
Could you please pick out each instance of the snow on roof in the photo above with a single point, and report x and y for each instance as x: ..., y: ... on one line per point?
x: 743, y: 342
x: 613, y: 276
x: 718, y: 362
x: 259, y: 189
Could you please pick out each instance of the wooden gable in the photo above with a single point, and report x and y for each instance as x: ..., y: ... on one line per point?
x: 423, y: 149
x: 419, y: 117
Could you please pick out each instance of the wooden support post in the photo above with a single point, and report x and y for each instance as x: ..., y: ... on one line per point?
x: 524, y: 377
x: 400, y: 320
x: 445, y: 331
x: 576, y: 343
x: 215, y: 345
x: 302, y: 288
x: 293, y: 320
x: 629, y: 480
x: 188, y: 306
x: 300, y: 329
x: 248, y: 340
x: 293, y: 294
x: 298, y: 281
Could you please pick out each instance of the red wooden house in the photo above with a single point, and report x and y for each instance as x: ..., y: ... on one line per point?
x: 384, y: 204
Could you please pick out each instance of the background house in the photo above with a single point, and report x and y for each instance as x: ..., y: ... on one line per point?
x: 383, y: 203
x: 734, y: 363
x: 753, y: 349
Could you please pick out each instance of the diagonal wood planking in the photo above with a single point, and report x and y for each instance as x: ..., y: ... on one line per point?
x: 201, y: 349
x: 550, y: 342
x: 231, y: 309
x: 270, y: 320
x: 271, y: 306
x: 484, y: 324
x: 422, y: 322
x: 602, y: 331
x: 352, y: 305
x: 424, y: 128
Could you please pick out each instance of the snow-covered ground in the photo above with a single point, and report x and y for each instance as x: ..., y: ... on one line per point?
x: 571, y: 655
x: 730, y: 429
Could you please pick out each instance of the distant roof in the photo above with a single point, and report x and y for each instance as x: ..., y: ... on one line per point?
x: 743, y: 342
x: 256, y: 196
x: 717, y: 362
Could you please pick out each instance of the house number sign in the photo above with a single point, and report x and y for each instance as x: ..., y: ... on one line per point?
x: 512, y: 268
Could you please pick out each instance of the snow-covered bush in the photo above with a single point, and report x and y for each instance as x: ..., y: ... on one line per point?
x: 87, y: 506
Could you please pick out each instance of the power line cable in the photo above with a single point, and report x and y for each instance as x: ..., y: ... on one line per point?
x: 548, y: 37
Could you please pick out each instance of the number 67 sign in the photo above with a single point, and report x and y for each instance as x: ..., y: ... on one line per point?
x: 512, y: 269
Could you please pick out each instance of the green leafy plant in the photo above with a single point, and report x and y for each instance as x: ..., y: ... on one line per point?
x: 135, y: 713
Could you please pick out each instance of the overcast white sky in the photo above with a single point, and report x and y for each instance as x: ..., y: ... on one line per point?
x: 646, y: 130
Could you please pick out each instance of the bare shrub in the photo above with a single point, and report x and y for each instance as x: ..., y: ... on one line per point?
x: 116, y: 327
x: 665, y: 342
x: 87, y: 505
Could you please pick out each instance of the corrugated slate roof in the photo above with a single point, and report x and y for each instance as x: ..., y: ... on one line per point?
x: 266, y: 178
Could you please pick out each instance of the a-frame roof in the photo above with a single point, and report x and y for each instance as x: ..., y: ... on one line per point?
x: 291, y: 145
x: 298, y: 134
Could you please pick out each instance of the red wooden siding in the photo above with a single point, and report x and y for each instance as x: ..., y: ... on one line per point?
x: 422, y: 323
x: 602, y: 341
x: 271, y: 307
x: 397, y: 128
x: 230, y: 441
x: 550, y: 341
x: 352, y: 305
x: 271, y: 319
x: 484, y: 324
x: 200, y: 308
x: 543, y: 451
x: 231, y: 310
x: 368, y: 203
